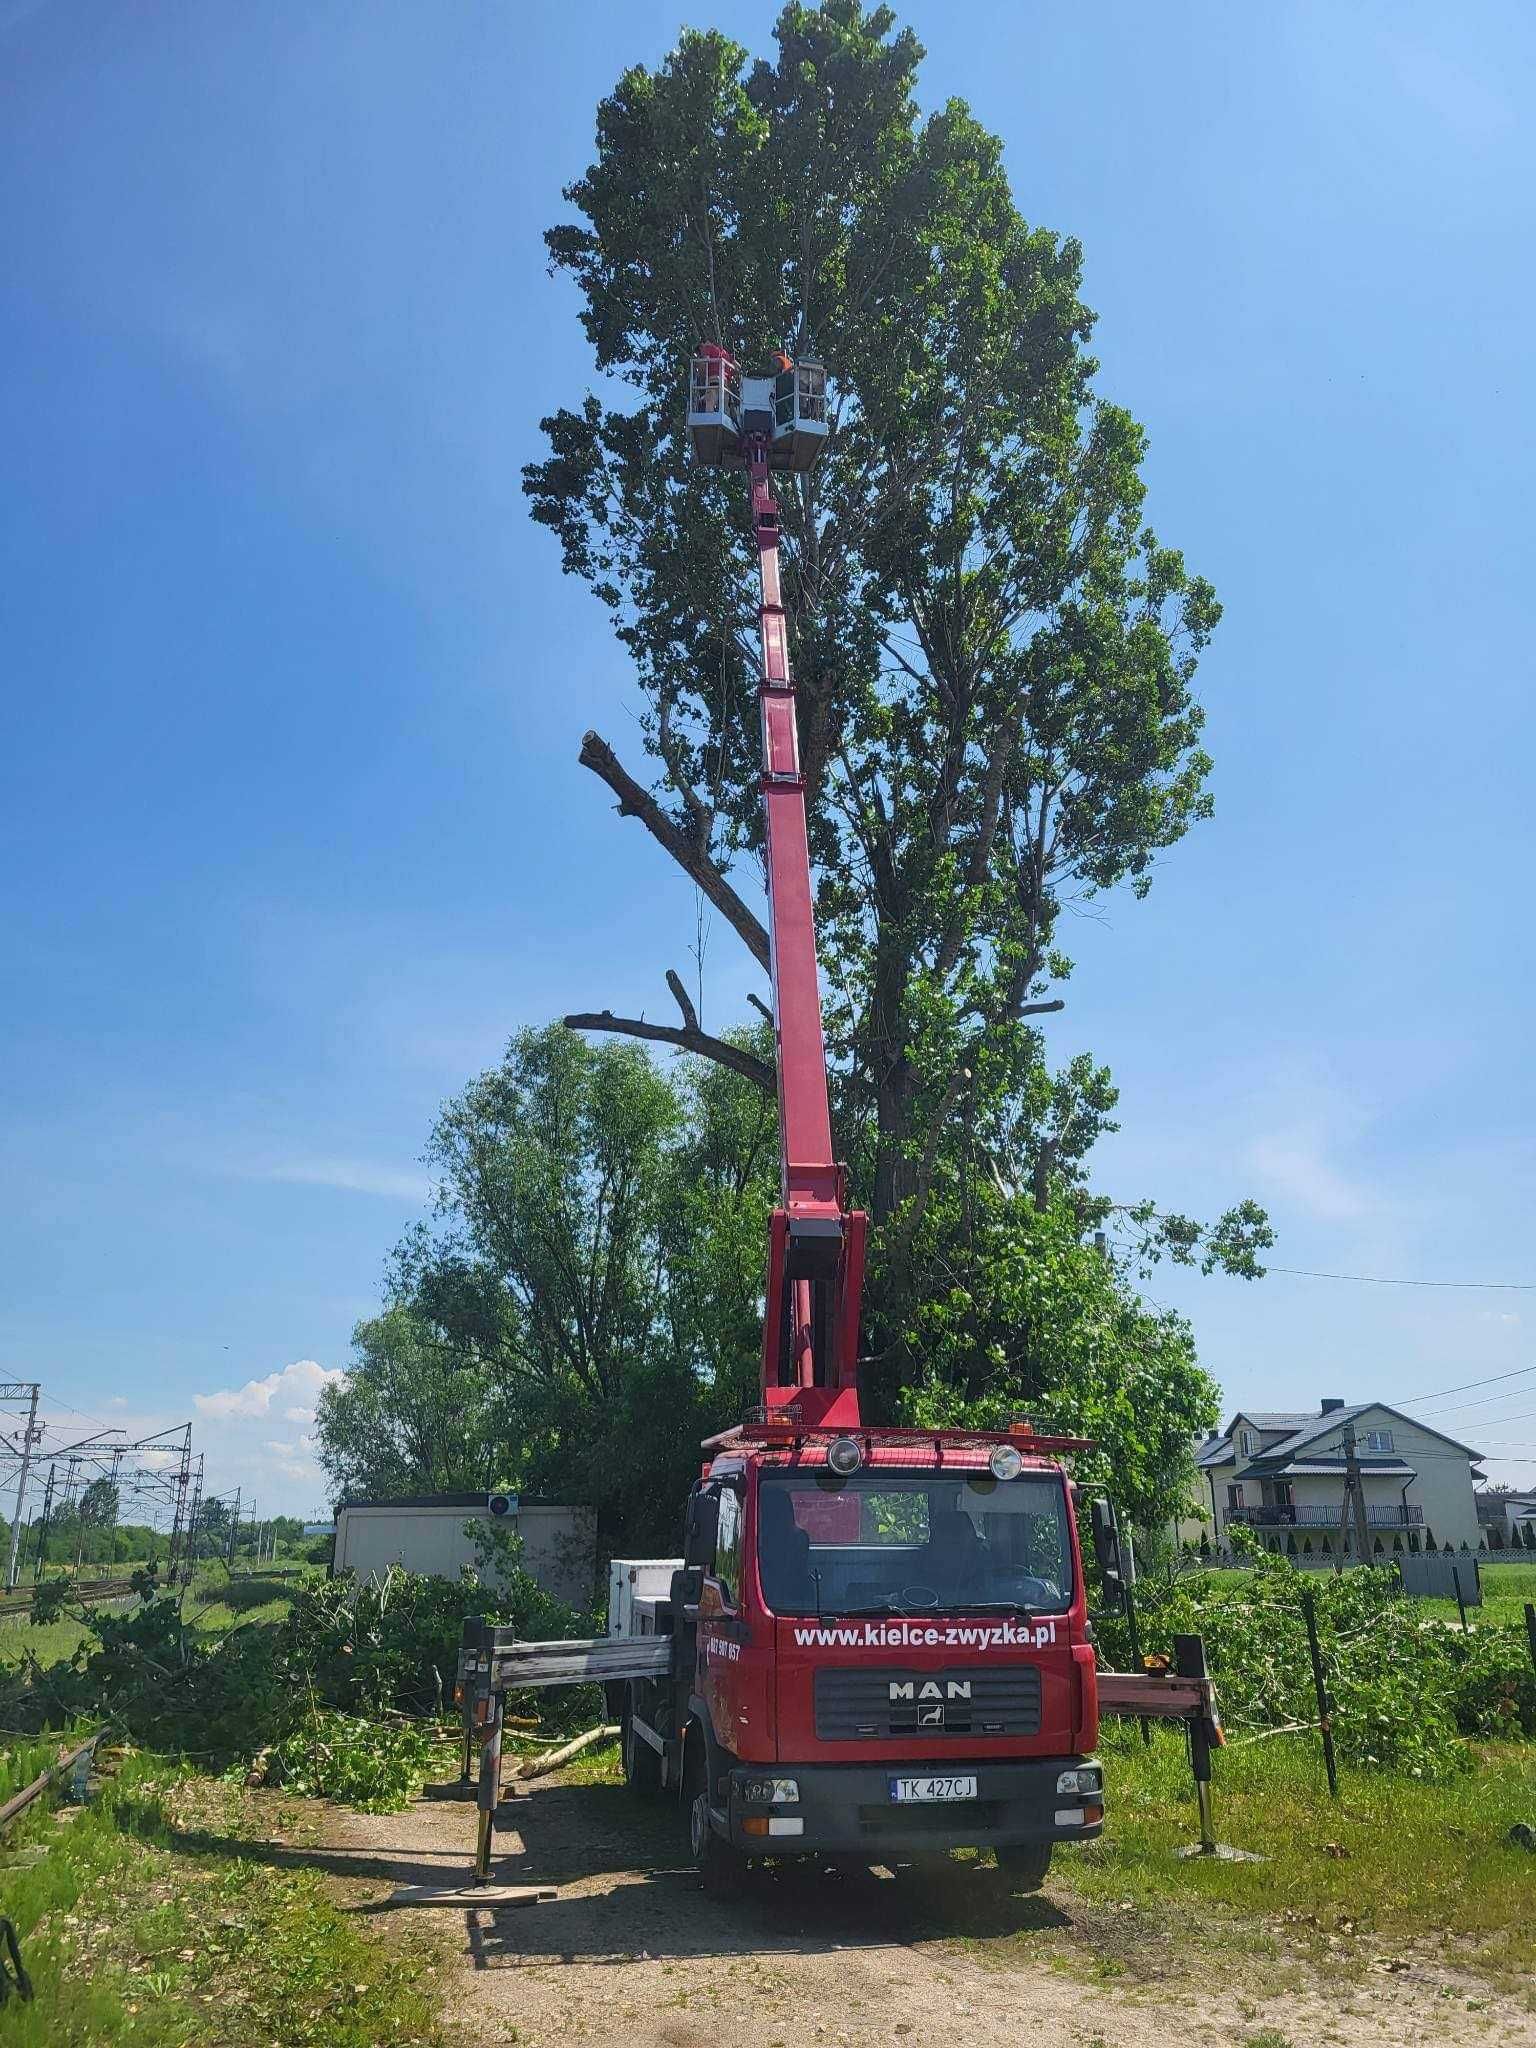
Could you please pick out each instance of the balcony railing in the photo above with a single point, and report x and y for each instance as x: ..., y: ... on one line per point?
x: 1272, y: 1516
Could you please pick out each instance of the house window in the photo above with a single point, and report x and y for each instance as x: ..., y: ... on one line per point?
x: 1378, y: 1439
x: 1248, y: 1441
x: 1234, y: 1497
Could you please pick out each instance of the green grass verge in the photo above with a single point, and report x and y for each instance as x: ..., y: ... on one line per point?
x: 1393, y: 1863
x: 1506, y: 1588
x: 215, y: 1604
x: 161, y: 1915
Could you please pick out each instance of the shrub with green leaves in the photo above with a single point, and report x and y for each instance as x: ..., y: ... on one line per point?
x: 1407, y: 1686
x: 376, y: 1644
x: 378, y: 1766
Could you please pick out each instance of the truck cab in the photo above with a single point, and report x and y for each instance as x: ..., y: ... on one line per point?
x: 881, y: 1651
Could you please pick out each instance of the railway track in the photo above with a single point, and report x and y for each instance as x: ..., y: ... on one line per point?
x: 90, y: 1592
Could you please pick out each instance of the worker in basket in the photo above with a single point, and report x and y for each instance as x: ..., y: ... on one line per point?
x: 716, y: 361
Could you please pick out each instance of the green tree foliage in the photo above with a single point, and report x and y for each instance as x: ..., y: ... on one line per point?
x: 1408, y: 1687
x: 995, y: 651
x: 594, y: 1273
x: 412, y: 1415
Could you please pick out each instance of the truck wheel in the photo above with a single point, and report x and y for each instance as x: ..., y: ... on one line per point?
x: 1025, y: 1865
x: 642, y: 1766
x: 720, y: 1866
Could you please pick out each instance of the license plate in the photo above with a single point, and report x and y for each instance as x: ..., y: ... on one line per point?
x: 923, y: 1791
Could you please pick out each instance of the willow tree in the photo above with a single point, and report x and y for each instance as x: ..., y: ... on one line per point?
x: 994, y: 651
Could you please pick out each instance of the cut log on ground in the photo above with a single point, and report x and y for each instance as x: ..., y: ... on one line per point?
x: 536, y: 1766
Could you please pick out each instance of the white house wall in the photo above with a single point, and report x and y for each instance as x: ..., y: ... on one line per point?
x: 1442, y: 1485
x: 559, y: 1544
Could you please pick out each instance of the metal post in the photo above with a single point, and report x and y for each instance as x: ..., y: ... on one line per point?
x: 1133, y: 1630
x: 30, y: 1436
x: 1189, y: 1662
x: 1319, y: 1686
x: 492, y: 1707
x: 42, y: 1528
x: 1530, y: 1630
x: 1461, y: 1605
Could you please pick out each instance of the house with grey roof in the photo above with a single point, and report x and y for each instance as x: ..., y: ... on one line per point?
x: 1281, y: 1475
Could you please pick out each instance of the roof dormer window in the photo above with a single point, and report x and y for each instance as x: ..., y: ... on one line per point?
x: 1248, y: 1442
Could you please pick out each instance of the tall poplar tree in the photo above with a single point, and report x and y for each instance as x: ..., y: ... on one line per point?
x: 994, y: 653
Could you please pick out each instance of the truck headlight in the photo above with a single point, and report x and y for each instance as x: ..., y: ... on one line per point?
x: 1005, y: 1461
x: 770, y: 1791
x: 1086, y: 1782
x: 845, y: 1454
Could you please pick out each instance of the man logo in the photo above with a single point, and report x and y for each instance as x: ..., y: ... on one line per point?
x: 931, y: 1689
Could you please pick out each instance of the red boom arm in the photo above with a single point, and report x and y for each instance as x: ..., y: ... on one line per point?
x: 816, y: 1243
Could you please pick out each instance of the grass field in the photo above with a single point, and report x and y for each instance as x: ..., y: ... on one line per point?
x: 1392, y: 1862
x: 215, y: 1604
x: 155, y: 1917
x: 1506, y: 1588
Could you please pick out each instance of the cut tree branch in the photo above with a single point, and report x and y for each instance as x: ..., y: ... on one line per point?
x: 635, y: 802
x: 687, y: 1036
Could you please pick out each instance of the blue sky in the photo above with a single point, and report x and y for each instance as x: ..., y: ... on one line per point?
x: 292, y: 833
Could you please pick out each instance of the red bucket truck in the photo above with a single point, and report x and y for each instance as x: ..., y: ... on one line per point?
x: 876, y: 1643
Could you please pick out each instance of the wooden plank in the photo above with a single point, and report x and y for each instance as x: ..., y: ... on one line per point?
x: 573, y: 1663
x: 1137, y: 1693
x: 459, y: 1896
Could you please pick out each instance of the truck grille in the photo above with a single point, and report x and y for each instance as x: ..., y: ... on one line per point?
x: 854, y: 1706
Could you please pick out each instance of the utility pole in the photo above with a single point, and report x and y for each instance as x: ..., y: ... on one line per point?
x: 1354, y: 1497
x: 16, y: 1390
x: 234, y: 1531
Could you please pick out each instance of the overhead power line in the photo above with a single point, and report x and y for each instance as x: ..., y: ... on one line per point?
x: 1492, y: 1380
x: 1389, y: 1280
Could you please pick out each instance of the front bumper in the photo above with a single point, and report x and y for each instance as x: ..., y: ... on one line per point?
x: 848, y: 1809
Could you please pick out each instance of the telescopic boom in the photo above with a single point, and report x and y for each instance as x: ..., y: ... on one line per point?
x: 816, y: 1242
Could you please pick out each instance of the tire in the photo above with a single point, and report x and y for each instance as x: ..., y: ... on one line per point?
x: 642, y: 1766
x: 720, y: 1866
x: 1025, y: 1865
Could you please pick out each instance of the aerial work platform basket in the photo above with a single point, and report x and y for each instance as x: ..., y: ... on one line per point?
x: 787, y: 410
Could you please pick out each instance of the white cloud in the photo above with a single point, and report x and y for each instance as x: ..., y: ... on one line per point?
x: 233, y: 1427
x: 353, y: 1176
x: 304, y: 1377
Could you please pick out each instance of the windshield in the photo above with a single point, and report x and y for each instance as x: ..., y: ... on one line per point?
x: 907, y: 1542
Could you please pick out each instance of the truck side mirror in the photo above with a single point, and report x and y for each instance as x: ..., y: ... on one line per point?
x: 686, y: 1591
x: 699, y: 1531
x: 1107, y: 1550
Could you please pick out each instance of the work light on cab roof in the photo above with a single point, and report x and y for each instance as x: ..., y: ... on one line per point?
x: 785, y: 410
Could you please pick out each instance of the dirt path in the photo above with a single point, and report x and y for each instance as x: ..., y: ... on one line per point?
x: 632, y: 1953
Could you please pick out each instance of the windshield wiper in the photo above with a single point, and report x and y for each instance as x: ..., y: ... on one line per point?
x: 1004, y: 1607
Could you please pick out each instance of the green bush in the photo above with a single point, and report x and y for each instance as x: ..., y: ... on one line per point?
x: 393, y: 1642
x: 378, y: 1766
x: 359, y: 1651
x: 1407, y: 1687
